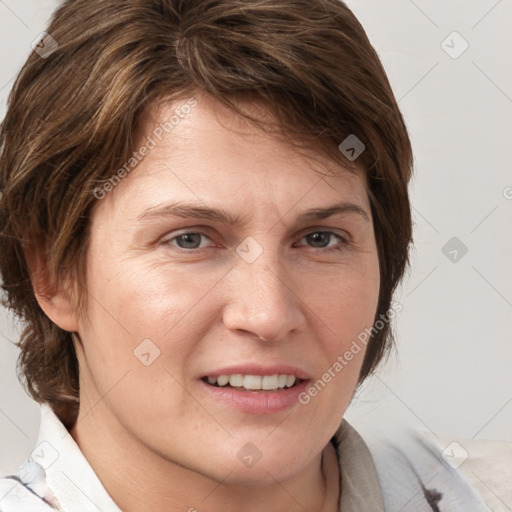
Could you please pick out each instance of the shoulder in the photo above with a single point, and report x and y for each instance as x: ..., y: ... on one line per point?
x: 19, y: 494
x: 27, y: 490
x: 424, y: 472
x: 57, y: 476
x: 485, y: 464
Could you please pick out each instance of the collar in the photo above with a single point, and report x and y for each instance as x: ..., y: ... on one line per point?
x: 360, y: 487
x: 68, y: 474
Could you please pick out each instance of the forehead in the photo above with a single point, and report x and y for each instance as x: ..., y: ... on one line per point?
x: 211, y: 154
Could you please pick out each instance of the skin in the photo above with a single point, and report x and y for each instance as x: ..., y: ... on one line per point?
x: 173, y: 446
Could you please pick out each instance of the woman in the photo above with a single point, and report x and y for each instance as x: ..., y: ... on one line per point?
x: 204, y: 217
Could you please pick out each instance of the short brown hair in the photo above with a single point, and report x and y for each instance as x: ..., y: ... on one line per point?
x: 74, y: 114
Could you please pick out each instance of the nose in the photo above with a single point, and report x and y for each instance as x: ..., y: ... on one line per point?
x: 262, y: 300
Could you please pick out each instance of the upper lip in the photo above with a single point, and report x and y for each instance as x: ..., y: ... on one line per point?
x: 255, y: 369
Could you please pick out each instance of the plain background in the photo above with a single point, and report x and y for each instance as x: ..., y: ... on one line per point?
x: 452, y: 374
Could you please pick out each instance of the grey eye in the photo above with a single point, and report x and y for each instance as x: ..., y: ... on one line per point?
x: 320, y: 237
x: 189, y: 240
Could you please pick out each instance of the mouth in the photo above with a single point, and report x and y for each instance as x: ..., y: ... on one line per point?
x: 255, y: 383
x: 255, y: 389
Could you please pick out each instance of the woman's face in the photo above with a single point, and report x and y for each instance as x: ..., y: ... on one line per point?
x: 217, y: 256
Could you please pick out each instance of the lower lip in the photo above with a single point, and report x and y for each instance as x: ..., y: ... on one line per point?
x: 257, y: 402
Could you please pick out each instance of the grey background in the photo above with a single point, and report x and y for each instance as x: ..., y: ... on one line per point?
x: 452, y: 374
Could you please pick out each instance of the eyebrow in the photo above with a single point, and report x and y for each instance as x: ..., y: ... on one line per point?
x: 188, y: 210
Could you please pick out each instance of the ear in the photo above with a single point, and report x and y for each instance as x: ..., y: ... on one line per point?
x: 54, y: 296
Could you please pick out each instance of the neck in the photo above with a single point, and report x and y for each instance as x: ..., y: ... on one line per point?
x: 144, y: 480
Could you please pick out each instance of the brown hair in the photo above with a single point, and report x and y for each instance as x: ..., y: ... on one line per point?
x: 74, y: 113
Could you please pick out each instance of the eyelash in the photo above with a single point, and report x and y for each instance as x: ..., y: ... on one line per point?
x: 343, y: 242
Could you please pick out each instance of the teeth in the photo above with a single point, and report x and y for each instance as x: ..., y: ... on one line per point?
x: 290, y: 381
x: 270, y: 382
x: 254, y: 382
x: 222, y: 380
x: 237, y: 381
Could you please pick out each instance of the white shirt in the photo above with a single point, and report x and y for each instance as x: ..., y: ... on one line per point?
x: 376, y: 476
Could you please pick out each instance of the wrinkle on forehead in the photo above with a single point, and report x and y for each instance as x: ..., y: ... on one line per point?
x: 214, y: 148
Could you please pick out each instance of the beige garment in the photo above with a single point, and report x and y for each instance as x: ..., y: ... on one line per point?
x: 360, y: 487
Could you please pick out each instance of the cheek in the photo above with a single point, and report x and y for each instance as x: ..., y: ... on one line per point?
x: 131, y: 302
x: 137, y: 317
x: 344, y: 310
x: 346, y: 302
